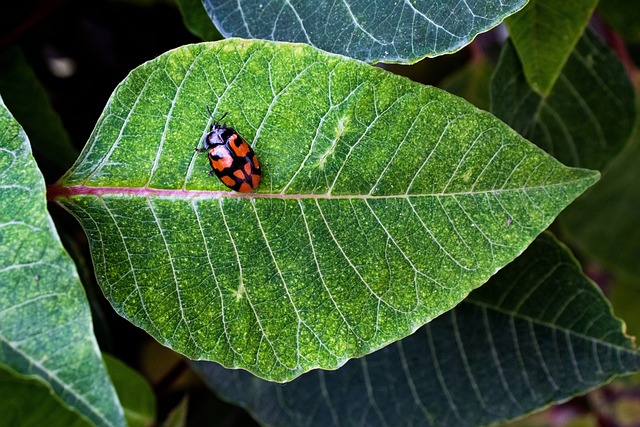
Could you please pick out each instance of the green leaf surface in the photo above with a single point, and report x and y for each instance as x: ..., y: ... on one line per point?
x: 45, y: 322
x: 28, y: 102
x: 134, y: 392
x: 586, y: 119
x: 382, y: 204
x: 544, y: 33
x: 538, y: 332
x: 197, y: 21
x: 604, y: 222
x: 29, y: 401
x: 381, y: 31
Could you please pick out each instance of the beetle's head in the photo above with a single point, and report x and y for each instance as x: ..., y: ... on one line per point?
x: 214, y: 137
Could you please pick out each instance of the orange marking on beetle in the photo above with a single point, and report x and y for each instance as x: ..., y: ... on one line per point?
x: 254, y: 160
x: 238, y: 174
x: 222, y: 163
x: 255, y: 179
x: 229, y: 182
x: 247, y: 169
x: 244, y: 187
x: 241, y: 149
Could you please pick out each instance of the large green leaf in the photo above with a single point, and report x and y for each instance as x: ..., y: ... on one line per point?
x: 588, y: 116
x: 538, y: 332
x: 381, y: 31
x: 382, y: 204
x: 45, y: 322
x: 544, y: 33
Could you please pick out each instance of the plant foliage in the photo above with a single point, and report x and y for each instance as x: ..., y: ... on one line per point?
x: 396, y: 246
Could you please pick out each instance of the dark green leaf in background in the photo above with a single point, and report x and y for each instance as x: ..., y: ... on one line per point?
x: 605, y: 223
x: 544, y: 33
x: 472, y: 82
x: 538, y: 332
x: 197, y: 21
x: 624, y: 297
x: 586, y: 119
x: 134, y: 392
x: 381, y: 31
x: 29, y: 103
x: 624, y: 16
x: 178, y: 415
x: 45, y: 322
x: 27, y: 401
x: 382, y: 204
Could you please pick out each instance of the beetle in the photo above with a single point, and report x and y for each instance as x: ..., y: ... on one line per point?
x: 231, y: 158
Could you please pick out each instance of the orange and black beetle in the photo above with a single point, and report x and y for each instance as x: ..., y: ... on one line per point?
x: 231, y: 158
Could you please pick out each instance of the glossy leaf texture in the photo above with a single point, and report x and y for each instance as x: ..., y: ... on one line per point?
x: 381, y: 31
x: 587, y: 117
x: 382, y: 204
x: 45, y: 322
x: 544, y: 33
x: 538, y: 332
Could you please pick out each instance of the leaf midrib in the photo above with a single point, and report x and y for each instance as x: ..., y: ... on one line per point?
x: 540, y: 322
x: 57, y: 191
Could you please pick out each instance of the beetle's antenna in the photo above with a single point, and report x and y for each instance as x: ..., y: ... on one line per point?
x: 211, y: 115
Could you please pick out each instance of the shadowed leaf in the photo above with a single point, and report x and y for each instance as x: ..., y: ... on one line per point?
x: 624, y: 16
x: 31, y: 107
x: 588, y: 116
x: 381, y: 31
x: 604, y: 222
